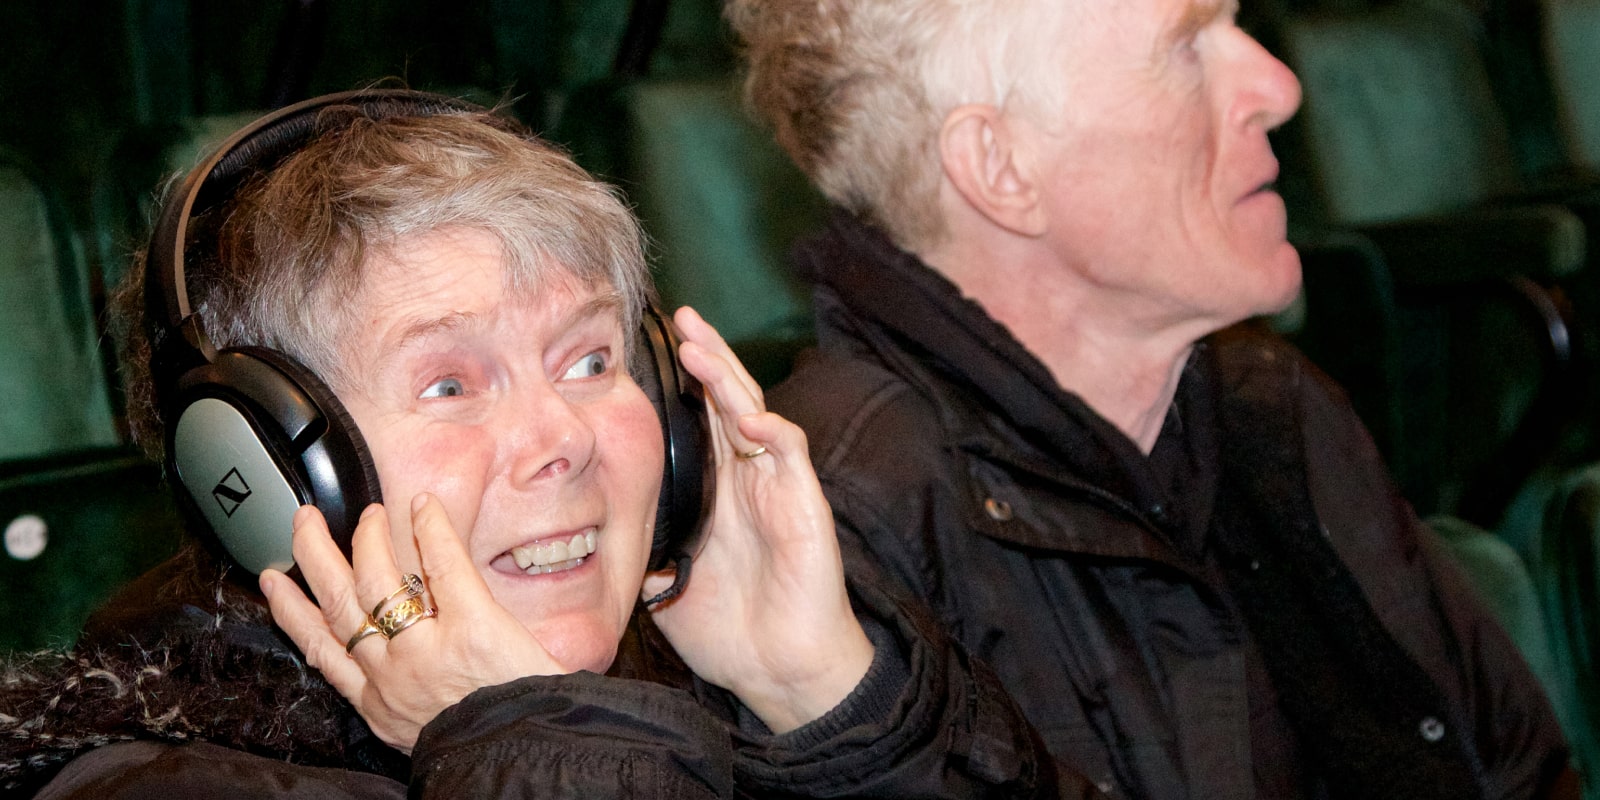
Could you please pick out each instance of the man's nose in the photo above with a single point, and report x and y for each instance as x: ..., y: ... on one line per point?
x: 1272, y: 92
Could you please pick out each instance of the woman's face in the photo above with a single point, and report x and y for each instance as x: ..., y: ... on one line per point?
x: 518, y: 413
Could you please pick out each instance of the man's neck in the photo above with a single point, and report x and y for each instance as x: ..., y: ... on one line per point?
x: 1086, y: 336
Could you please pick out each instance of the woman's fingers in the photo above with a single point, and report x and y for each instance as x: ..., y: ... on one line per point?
x: 728, y: 399
x: 372, y: 558
x: 452, y: 579
x: 325, y: 570
x: 695, y: 329
x: 784, y: 439
x: 302, y: 620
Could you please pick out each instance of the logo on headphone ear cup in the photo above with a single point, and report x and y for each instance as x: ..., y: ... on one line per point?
x: 254, y: 437
x: 687, y: 475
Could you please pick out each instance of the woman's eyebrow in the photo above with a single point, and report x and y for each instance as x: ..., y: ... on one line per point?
x: 420, y: 329
x: 425, y: 328
x: 599, y: 305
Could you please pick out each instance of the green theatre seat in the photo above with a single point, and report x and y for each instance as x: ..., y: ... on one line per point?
x: 1398, y: 158
x: 1566, y: 569
x: 722, y: 206
x: 53, y: 390
x: 1572, y: 53
x: 75, y: 529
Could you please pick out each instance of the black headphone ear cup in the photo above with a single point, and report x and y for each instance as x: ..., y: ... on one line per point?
x: 687, y: 475
x: 256, y: 436
x: 344, y: 479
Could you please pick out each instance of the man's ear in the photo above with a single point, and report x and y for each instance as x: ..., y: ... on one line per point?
x: 979, y: 152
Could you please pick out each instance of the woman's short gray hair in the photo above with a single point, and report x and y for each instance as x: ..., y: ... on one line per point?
x: 276, y: 262
x: 856, y: 91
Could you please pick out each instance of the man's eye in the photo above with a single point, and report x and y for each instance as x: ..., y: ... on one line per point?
x: 587, y: 367
x: 449, y: 387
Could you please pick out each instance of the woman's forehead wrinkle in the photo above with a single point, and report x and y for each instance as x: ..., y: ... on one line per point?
x: 458, y: 322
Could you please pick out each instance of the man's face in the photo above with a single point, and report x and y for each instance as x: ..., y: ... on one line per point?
x: 518, y: 413
x: 1158, y: 171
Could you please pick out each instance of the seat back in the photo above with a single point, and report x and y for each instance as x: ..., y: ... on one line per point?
x: 1571, y: 34
x: 1399, y: 118
x: 1505, y: 585
x: 54, y: 394
x: 1567, y: 572
x: 720, y: 202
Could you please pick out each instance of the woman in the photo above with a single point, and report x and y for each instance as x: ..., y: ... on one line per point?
x: 467, y: 295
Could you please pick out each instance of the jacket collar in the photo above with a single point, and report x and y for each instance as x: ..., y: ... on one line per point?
x: 925, y: 315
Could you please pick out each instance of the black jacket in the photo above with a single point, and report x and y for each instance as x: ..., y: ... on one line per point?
x: 173, y: 694
x: 962, y: 474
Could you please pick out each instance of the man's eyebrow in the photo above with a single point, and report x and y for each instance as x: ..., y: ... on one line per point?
x: 1196, y: 15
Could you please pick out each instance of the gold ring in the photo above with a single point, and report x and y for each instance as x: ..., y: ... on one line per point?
x: 410, y: 586
x: 368, y: 628
x: 403, y: 616
x: 427, y: 613
x: 759, y: 451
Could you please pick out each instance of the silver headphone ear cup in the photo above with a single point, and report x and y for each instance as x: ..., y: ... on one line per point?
x: 235, y: 482
x: 256, y: 437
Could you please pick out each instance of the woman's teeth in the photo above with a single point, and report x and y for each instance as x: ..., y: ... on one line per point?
x: 546, y: 557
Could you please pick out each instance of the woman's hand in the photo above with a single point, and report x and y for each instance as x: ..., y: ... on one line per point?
x: 765, y: 614
x: 399, y: 685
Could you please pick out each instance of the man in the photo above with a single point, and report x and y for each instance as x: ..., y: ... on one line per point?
x: 1033, y: 405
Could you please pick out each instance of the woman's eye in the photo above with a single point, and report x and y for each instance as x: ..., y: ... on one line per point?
x: 449, y: 387
x: 587, y: 367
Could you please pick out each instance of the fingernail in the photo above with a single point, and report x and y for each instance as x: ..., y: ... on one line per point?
x: 302, y: 515
x: 266, y: 584
x: 418, y: 502
x: 370, y: 510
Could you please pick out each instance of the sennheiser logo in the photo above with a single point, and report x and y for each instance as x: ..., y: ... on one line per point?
x: 231, y: 491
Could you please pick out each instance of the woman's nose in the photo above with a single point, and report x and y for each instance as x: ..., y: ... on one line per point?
x: 545, y: 438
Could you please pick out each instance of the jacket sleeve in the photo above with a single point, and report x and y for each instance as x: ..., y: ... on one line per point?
x: 578, y: 736
x: 144, y: 769
x: 925, y: 722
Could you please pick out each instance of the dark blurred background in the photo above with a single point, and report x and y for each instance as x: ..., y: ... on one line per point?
x: 1443, y: 179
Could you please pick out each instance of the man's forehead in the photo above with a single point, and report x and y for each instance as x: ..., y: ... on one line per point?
x: 1196, y: 14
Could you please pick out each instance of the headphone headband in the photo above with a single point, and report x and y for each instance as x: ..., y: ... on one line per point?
x: 177, y: 341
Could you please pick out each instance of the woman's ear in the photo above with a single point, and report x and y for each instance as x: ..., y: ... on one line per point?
x: 982, y: 158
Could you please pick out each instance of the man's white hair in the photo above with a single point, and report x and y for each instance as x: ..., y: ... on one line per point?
x: 856, y: 91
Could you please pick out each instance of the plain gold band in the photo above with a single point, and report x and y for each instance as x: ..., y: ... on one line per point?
x: 759, y: 451
x: 367, y: 629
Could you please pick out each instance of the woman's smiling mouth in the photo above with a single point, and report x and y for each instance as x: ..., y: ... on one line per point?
x: 554, y: 555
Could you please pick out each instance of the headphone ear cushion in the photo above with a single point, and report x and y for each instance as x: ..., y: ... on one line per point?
x: 344, y: 479
x: 687, y: 474
x: 255, y: 436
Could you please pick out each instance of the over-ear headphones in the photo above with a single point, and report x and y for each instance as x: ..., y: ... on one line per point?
x: 251, y: 435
